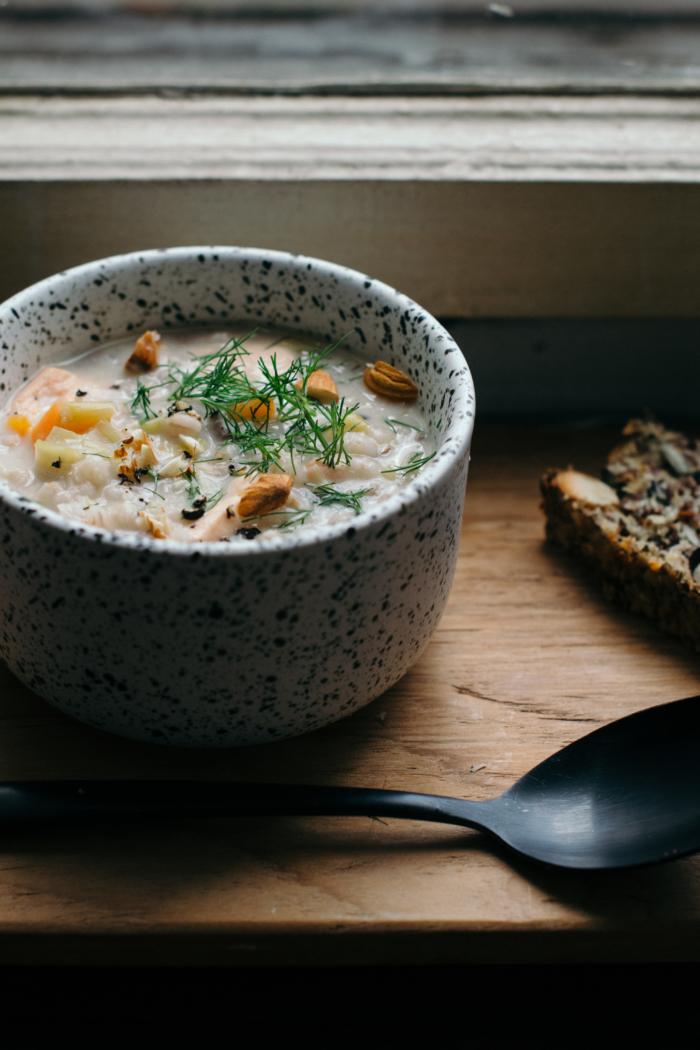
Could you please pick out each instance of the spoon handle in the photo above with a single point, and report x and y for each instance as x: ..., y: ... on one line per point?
x: 22, y: 801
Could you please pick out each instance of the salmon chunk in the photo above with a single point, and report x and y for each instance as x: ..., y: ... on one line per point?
x: 51, y: 384
x: 218, y: 523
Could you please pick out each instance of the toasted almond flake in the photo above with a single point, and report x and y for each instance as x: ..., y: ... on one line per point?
x: 387, y: 381
x: 145, y: 354
x: 158, y: 526
x: 175, y: 466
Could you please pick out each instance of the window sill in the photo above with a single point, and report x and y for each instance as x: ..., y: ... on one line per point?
x: 478, y: 207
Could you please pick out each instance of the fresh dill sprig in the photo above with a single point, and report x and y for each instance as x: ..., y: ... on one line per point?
x: 293, y: 523
x: 319, y: 430
x: 415, y: 463
x: 156, y: 478
x: 314, y: 429
x: 193, y: 489
x: 400, y: 423
x: 218, y: 381
x: 328, y: 494
x: 214, y: 498
x: 269, y: 514
x: 142, y: 401
x: 258, y: 442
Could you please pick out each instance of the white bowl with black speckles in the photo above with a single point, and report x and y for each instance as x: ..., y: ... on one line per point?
x: 217, y: 645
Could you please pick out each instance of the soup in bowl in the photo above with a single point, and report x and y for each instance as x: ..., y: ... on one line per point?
x: 232, y: 484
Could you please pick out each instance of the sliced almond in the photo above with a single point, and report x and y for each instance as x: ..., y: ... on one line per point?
x: 158, y: 526
x: 387, y: 381
x: 320, y: 386
x: 145, y: 354
x: 269, y: 493
x: 585, y: 488
x: 146, y: 455
x: 175, y: 466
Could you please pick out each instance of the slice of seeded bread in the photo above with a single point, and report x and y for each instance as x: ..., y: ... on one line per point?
x: 637, y: 528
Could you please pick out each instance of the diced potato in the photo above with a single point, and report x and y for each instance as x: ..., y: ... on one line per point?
x: 155, y: 426
x: 55, y: 459
x: 108, y: 432
x: 81, y: 416
x: 60, y: 436
x: 355, y: 422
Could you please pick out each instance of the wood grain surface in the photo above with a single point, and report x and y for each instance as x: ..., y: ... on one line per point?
x: 527, y: 658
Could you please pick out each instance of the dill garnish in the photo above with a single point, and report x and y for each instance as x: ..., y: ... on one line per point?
x: 328, y: 494
x: 400, y: 423
x: 268, y: 514
x: 319, y: 430
x: 142, y: 401
x: 156, y: 479
x: 193, y: 489
x: 214, y: 498
x: 292, y: 523
x: 218, y: 381
x: 414, y: 463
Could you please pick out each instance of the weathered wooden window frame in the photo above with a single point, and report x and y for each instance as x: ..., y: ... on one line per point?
x: 479, y: 204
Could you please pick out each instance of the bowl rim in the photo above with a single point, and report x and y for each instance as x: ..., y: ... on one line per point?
x: 457, y: 436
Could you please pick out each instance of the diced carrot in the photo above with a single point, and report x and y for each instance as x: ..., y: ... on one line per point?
x: 18, y: 423
x: 50, y: 419
x: 261, y: 411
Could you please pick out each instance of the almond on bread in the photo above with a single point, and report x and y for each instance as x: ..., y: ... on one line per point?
x: 638, y: 526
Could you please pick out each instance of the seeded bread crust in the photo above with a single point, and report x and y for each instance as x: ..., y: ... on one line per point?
x: 643, y: 563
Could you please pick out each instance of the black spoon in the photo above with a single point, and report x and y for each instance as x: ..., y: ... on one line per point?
x: 628, y: 793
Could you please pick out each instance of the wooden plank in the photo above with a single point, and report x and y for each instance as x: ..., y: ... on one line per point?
x: 505, y: 139
x: 518, y: 207
x: 355, y: 47
x: 528, y: 657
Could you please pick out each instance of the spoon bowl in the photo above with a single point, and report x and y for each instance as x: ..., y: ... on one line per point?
x: 626, y: 794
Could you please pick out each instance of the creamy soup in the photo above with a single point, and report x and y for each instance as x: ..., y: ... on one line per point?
x: 213, y: 436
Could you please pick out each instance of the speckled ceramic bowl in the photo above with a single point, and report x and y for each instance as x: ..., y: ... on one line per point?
x: 216, y: 644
